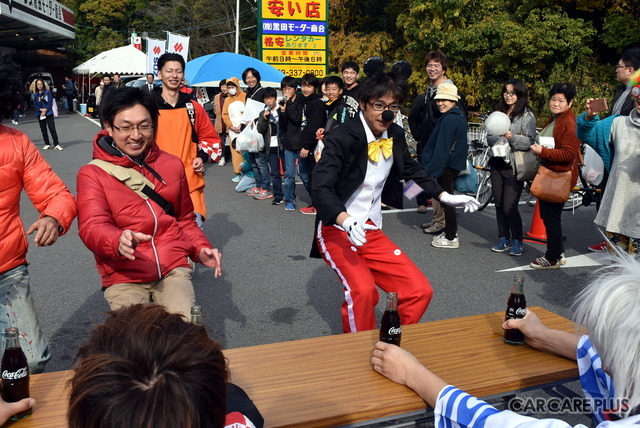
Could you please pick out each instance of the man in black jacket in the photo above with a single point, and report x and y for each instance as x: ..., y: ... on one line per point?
x: 629, y: 63
x: 359, y: 157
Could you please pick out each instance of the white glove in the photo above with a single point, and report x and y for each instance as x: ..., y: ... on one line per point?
x: 469, y: 203
x: 356, y: 231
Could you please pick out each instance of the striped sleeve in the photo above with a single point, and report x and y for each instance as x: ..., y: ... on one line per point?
x: 596, y: 384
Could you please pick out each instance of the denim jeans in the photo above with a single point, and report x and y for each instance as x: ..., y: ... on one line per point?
x: 263, y: 177
x: 290, y: 158
x: 275, y: 158
x: 17, y: 310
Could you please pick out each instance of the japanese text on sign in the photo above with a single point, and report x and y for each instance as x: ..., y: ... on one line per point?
x: 292, y: 27
x: 294, y: 56
x: 271, y: 41
x: 295, y: 9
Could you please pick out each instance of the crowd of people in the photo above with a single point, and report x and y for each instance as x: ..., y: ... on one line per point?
x: 340, y: 136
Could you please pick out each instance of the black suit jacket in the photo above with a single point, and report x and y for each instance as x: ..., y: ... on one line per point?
x: 343, y: 167
x: 145, y: 88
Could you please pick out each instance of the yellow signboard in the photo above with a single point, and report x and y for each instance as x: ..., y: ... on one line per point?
x: 308, y: 10
x: 302, y: 57
x: 299, y: 70
x: 277, y: 41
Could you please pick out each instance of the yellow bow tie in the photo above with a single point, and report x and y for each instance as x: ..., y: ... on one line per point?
x: 384, y: 144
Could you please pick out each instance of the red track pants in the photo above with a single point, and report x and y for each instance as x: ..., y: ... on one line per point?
x: 378, y: 262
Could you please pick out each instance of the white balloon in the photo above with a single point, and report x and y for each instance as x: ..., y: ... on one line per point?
x: 497, y: 123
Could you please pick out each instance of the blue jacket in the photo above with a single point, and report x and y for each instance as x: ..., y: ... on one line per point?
x: 595, y: 133
x: 43, y: 100
x: 447, y: 145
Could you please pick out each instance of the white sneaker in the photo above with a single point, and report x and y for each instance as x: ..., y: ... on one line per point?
x: 58, y: 147
x: 441, y: 241
x: 46, y: 147
x: 15, y: 122
x: 221, y: 162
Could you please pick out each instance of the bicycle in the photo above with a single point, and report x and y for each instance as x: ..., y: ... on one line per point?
x: 479, y: 156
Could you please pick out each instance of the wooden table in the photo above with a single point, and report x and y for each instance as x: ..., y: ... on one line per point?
x: 328, y: 381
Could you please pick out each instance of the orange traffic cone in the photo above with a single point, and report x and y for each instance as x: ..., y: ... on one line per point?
x: 537, y: 233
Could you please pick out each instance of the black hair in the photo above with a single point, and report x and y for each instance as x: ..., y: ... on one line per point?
x: 334, y: 80
x: 380, y: 84
x: 10, y: 86
x: 631, y: 58
x: 222, y: 83
x: 350, y: 64
x: 310, y: 79
x: 269, y: 92
x: 437, y: 56
x: 107, y: 75
x: 567, y: 89
x: 288, y: 82
x: 125, y: 98
x: 166, y: 57
x: 151, y: 74
x: 521, y: 92
x: 253, y: 71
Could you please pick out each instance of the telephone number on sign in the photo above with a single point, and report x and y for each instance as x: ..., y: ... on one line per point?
x: 299, y: 73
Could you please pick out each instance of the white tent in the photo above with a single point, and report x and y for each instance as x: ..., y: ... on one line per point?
x: 123, y: 60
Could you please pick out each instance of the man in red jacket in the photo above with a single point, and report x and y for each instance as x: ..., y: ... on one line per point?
x: 24, y: 168
x: 142, y: 240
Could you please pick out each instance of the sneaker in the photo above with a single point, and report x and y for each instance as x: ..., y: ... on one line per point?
x: 434, y: 229
x: 46, y: 147
x: 422, y: 209
x: 221, y: 162
x: 236, y: 179
x: 253, y: 192
x: 15, y: 122
x: 290, y: 206
x: 441, y: 241
x: 503, y: 245
x: 602, y: 246
x: 58, y: 147
x: 516, y: 248
x: 265, y: 194
x: 309, y: 210
x: 277, y: 201
x: 544, y: 263
x: 427, y: 224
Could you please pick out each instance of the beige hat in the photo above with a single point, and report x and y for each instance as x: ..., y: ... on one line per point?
x: 447, y: 91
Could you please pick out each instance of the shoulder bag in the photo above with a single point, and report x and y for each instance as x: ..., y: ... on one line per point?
x: 551, y: 186
x: 525, y: 162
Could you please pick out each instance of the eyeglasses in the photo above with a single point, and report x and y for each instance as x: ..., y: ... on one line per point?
x: 143, y: 129
x: 622, y: 66
x: 434, y: 65
x: 508, y: 93
x: 378, y: 106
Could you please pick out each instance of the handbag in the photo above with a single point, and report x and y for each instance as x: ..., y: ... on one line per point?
x: 525, y: 165
x: 467, y: 183
x: 593, y: 169
x: 250, y: 140
x: 551, y: 186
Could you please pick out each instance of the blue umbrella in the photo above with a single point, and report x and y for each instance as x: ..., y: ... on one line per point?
x: 209, y: 70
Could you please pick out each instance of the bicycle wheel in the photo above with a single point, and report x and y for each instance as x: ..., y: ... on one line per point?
x: 574, y: 201
x: 484, y: 195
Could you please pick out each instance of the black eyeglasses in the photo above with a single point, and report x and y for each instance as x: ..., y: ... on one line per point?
x: 143, y: 129
x: 378, y: 106
x: 505, y: 93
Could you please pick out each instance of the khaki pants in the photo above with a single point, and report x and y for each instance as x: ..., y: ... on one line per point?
x: 438, y: 212
x: 174, y: 292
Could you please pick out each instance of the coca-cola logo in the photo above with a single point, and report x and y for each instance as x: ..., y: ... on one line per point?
x: 18, y: 374
x: 521, y: 312
x: 395, y: 330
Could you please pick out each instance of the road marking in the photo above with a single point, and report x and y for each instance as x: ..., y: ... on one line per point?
x: 600, y: 258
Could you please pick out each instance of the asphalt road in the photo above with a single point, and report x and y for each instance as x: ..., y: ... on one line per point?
x: 271, y: 291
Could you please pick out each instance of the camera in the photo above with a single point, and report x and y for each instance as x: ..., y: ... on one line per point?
x: 283, y: 101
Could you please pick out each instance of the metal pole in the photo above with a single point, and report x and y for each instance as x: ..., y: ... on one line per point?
x: 237, y: 26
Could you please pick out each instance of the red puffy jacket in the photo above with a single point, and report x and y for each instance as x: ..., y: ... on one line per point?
x: 22, y: 166
x: 106, y: 207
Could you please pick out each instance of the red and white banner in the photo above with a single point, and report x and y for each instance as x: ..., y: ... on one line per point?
x: 178, y: 44
x: 155, y: 48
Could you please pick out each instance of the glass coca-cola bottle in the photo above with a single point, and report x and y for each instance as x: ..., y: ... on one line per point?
x: 196, y: 315
x: 516, y: 308
x: 15, y: 372
x: 390, y: 326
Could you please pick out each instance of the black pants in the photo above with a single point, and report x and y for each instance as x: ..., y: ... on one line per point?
x: 447, y: 182
x: 70, y: 102
x: 551, y: 215
x: 506, y: 194
x: 48, y: 122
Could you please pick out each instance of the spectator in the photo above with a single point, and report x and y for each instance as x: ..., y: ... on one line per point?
x: 615, y: 139
x: 270, y: 157
x: 423, y: 118
x: 445, y: 155
x: 141, y: 245
x: 220, y: 126
x: 606, y: 309
x: 506, y: 187
x: 145, y: 368
x: 43, y: 105
x: 251, y: 78
x: 291, y: 117
x: 117, y: 81
x: 313, y: 118
x: 149, y: 85
x: 357, y: 160
x: 25, y: 169
x: 350, y: 70
x: 98, y: 94
x: 107, y: 91
x: 336, y: 106
x: 232, y: 117
x: 69, y: 92
x: 185, y: 130
x: 564, y: 157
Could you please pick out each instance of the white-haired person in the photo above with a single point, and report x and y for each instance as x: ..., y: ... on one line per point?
x: 608, y: 356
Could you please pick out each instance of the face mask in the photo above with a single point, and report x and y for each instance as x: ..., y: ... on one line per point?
x: 232, y: 91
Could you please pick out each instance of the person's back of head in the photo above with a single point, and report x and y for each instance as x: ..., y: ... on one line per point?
x: 147, y: 368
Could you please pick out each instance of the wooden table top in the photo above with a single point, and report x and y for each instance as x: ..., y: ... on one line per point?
x: 328, y: 381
